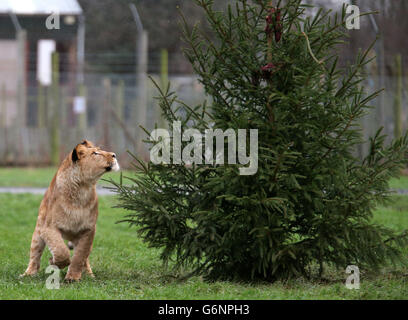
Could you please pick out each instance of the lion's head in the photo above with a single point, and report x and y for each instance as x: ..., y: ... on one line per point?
x: 93, y: 162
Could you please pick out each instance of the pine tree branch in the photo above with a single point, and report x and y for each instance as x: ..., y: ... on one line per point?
x: 320, y: 62
x: 331, y: 148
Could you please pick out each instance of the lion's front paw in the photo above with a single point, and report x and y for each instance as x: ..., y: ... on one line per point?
x: 29, y: 273
x: 70, y: 277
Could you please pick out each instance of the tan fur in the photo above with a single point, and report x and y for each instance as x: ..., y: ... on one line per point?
x: 69, y: 211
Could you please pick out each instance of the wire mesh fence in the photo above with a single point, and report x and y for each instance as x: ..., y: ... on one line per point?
x: 55, y: 117
x: 54, y: 121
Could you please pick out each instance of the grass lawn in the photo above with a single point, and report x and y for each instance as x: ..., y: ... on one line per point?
x: 40, y: 177
x: 126, y: 268
x: 401, y: 183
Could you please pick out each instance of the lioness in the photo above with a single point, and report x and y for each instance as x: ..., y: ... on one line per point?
x: 69, y: 211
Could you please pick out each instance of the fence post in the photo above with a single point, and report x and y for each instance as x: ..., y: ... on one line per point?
x: 82, y: 119
x: 120, y: 99
x: 141, y: 107
x: 398, y: 98
x: 119, y: 109
x: 107, y: 88
x: 3, y: 105
x: 3, y: 123
x: 55, y: 114
x: 164, y: 68
x: 164, y: 79
x: 40, y: 106
x: 21, y: 79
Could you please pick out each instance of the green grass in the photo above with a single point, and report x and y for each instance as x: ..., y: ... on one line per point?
x: 125, y: 268
x: 40, y: 177
x: 401, y: 183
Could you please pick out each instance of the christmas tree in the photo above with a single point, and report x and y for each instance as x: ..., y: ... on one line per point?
x: 310, y: 203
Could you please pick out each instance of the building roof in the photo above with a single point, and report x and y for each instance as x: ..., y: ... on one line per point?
x: 40, y: 7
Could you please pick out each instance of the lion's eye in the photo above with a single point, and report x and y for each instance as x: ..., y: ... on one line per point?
x: 95, y: 153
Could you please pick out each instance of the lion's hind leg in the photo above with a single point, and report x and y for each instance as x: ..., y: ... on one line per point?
x: 37, y: 248
x: 88, y: 268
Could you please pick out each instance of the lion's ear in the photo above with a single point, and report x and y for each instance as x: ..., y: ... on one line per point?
x: 87, y: 144
x: 75, y: 157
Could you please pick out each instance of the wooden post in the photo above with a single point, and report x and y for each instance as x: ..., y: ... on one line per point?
x: 81, y: 49
x: 164, y: 79
x: 40, y: 106
x: 398, y: 98
x: 3, y: 105
x: 21, y: 79
x: 107, y: 88
x: 382, y: 71
x: 82, y: 118
x: 119, y: 110
x: 4, y: 123
x: 139, y: 115
x: 381, y: 109
x: 55, y: 112
x: 164, y: 68
x: 379, y: 48
x: 120, y: 100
